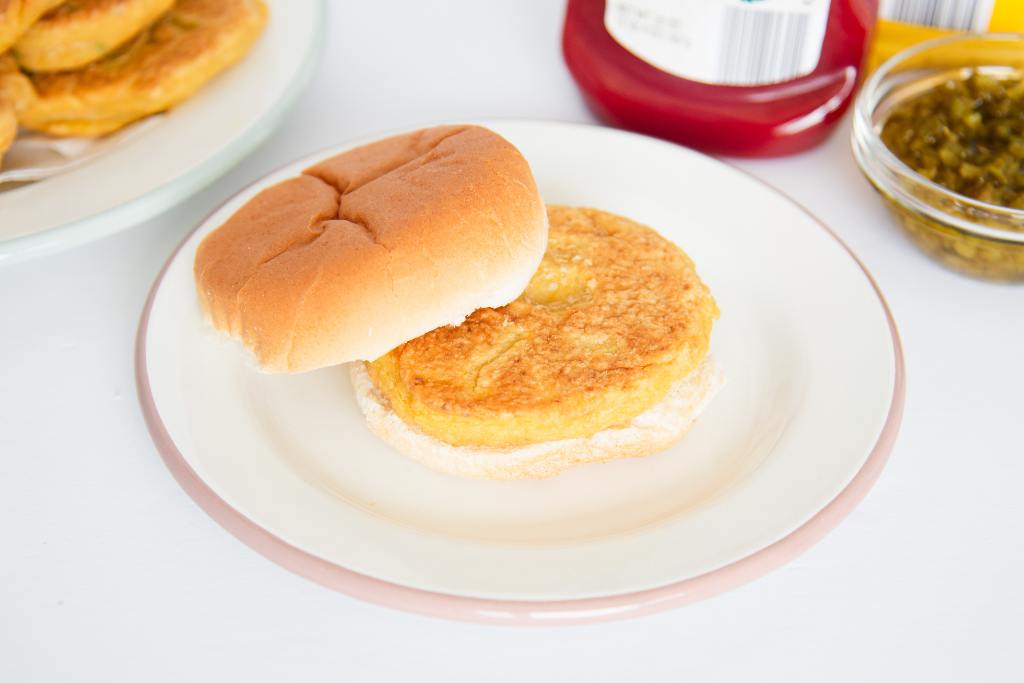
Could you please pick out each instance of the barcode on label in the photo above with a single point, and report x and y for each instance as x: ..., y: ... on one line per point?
x: 960, y: 15
x: 728, y: 42
x: 761, y: 46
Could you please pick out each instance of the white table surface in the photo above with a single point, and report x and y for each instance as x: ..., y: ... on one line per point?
x: 109, y: 571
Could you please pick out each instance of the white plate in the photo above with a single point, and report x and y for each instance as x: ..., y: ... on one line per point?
x: 813, y: 396
x: 186, y: 150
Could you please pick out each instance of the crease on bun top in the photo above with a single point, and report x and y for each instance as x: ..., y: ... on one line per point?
x: 373, y: 247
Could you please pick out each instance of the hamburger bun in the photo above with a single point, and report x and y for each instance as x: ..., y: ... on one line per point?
x: 373, y: 247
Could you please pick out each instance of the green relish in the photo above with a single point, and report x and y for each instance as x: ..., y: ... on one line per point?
x: 967, y: 135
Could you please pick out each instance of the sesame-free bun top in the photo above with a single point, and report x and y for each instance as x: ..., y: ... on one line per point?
x: 373, y: 247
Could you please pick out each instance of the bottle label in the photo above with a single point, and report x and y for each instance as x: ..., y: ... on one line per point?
x: 957, y: 15
x: 727, y: 42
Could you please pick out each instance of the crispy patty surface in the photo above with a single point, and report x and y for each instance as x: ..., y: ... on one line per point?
x: 82, y: 31
x: 15, y: 93
x: 613, y: 317
x: 16, y: 16
x: 164, y: 65
x: 8, y: 127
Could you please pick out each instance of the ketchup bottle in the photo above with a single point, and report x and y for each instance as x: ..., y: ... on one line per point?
x: 741, y: 77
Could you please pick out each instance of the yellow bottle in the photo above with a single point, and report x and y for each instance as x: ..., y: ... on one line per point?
x: 902, y: 23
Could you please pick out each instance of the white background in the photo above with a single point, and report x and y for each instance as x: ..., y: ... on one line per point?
x: 109, y: 572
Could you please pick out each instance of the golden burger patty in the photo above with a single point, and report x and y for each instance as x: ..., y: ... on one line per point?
x: 613, y: 317
x: 16, y: 16
x: 82, y: 31
x: 15, y: 93
x: 164, y: 65
x: 8, y: 127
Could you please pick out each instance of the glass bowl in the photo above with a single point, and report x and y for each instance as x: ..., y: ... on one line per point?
x: 971, y: 236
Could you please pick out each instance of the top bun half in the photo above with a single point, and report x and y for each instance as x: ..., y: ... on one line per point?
x: 373, y: 247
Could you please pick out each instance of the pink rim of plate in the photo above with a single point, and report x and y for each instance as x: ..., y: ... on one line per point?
x: 526, y: 613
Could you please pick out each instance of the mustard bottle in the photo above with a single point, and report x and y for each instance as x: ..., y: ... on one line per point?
x: 902, y: 23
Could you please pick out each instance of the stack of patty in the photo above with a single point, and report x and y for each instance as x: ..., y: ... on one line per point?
x: 89, y: 67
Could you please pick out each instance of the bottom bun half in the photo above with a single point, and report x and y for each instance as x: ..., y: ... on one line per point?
x: 654, y: 430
